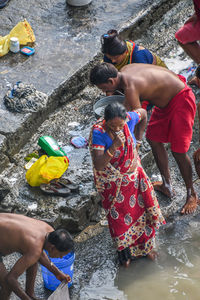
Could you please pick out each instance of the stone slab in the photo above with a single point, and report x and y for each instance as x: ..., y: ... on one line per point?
x: 57, y: 68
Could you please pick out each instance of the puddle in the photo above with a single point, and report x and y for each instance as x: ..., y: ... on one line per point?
x: 175, y: 274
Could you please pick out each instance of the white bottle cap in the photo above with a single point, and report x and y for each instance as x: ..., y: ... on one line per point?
x: 14, y: 39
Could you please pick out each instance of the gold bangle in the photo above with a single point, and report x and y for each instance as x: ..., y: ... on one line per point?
x: 108, y: 152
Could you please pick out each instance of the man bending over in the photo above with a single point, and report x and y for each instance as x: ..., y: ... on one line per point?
x: 171, y: 121
x: 29, y: 237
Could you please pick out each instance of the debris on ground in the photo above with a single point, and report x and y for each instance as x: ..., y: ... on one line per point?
x: 24, y: 98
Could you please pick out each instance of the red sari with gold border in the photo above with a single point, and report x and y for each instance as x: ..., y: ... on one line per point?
x: 128, y: 198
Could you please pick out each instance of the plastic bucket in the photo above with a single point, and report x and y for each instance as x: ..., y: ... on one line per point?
x: 100, y: 105
x: 65, y: 264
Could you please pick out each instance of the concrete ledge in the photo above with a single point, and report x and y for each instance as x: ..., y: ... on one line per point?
x: 135, y: 27
x: 17, y: 129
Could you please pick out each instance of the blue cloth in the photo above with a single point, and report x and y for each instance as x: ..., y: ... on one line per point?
x: 103, y: 139
x: 142, y: 56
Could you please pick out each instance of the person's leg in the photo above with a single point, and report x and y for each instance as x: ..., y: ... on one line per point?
x: 5, y: 291
x: 30, y: 279
x: 194, y: 80
x: 188, y: 36
x: 193, y: 50
x: 161, y: 158
x: 185, y: 167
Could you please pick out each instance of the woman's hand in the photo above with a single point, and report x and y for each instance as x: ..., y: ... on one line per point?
x: 109, y: 93
x: 137, y: 147
x: 118, y: 140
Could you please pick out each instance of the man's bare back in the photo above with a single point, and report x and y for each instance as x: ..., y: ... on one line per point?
x: 19, y: 233
x: 148, y: 82
x: 29, y: 237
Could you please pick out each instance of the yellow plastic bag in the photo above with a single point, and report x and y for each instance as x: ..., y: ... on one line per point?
x: 22, y: 31
x: 46, y: 168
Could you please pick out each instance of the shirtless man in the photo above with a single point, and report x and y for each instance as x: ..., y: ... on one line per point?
x: 29, y: 237
x: 171, y: 121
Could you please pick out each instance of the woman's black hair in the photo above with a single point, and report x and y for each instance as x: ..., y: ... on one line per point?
x: 112, y: 44
x: 62, y: 240
x: 114, y: 110
x: 102, y: 72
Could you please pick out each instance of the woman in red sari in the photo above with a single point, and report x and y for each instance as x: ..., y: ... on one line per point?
x: 127, y: 194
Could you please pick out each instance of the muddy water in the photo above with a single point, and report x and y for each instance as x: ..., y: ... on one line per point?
x: 174, y: 275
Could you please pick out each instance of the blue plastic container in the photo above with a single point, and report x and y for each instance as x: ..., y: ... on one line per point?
x: 65, y: 264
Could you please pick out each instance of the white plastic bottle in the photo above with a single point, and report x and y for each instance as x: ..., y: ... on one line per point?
x: 14, y: 45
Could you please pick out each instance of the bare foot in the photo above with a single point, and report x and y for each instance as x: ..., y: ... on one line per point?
x: 126, y: 264
x: 190, y: 205
x: 194, y: 81
x: 160, y: 187
x: 152, y: 255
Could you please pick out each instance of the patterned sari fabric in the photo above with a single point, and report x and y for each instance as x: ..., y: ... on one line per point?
x: 128, y: 198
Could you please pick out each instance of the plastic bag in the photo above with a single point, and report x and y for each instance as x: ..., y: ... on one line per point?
x: 22, y: 31
x: 45, y: 169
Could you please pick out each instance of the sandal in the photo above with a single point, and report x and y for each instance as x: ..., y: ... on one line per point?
x: 54, y: 188
x: 65, y: 182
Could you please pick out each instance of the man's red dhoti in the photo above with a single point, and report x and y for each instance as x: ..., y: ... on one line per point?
x: 173, y: 124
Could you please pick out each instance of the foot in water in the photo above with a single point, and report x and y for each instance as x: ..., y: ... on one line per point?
x: 190, y: 205
x: 195, y: 80
x: 162, y: 188
x: 126, y: 264
x: 152, y: 255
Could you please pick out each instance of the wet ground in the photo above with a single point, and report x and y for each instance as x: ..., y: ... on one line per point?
x: 66, y: 38
x: 97, y: 275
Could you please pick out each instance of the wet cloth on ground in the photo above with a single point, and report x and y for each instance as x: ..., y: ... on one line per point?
x: 128, y: 198
x: 173, y: 124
